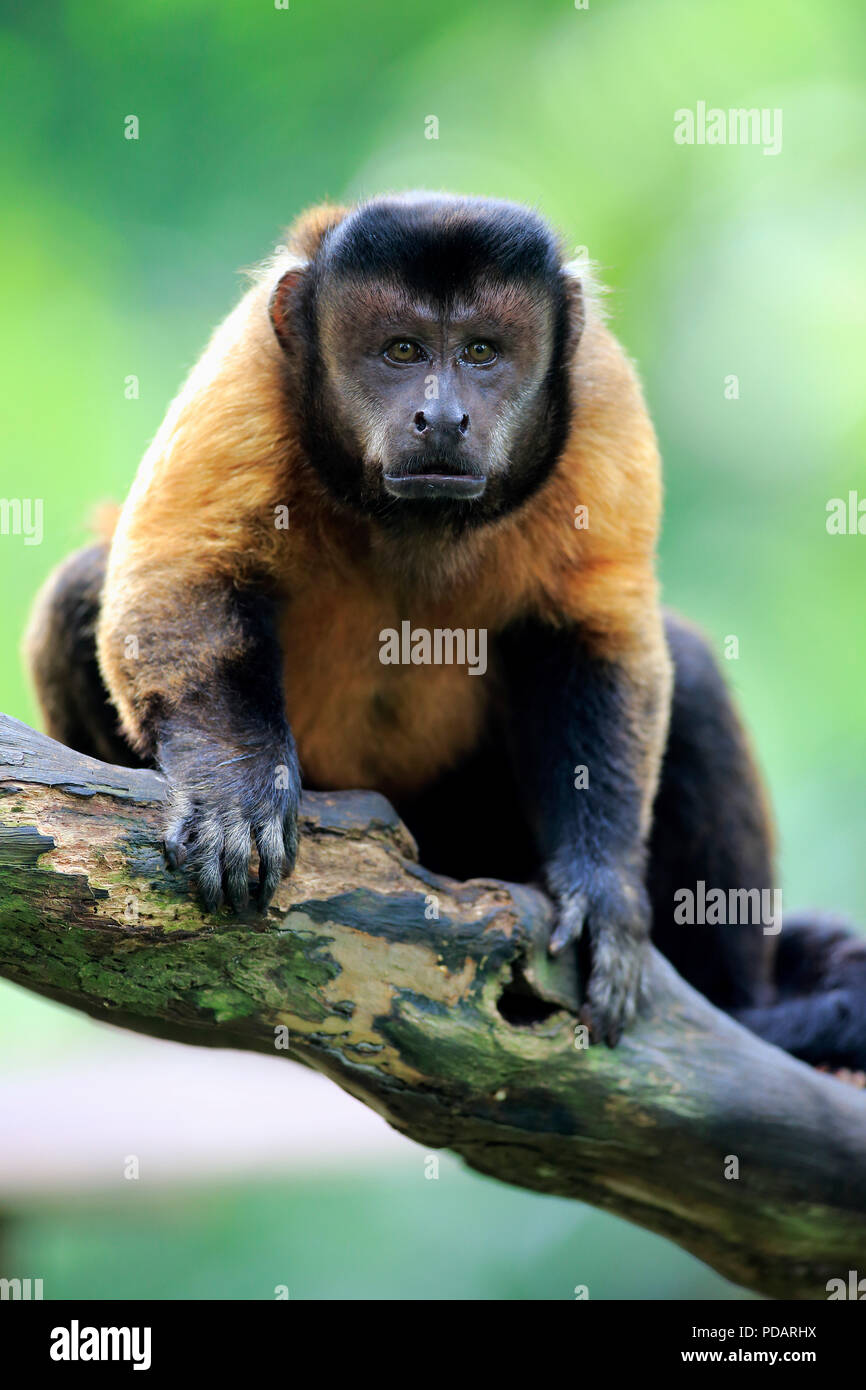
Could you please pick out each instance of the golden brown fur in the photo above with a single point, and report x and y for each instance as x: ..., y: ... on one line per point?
x: 204, y: 504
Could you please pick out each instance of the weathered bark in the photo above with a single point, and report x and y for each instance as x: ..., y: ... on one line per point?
x: 457, y: 1027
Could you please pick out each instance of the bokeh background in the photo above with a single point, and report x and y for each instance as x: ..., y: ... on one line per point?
x: 118, y: 257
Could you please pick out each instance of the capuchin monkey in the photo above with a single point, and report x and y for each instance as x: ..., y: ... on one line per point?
x: 416, y: 437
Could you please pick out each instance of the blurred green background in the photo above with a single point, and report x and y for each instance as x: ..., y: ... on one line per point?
x: 119, y: 256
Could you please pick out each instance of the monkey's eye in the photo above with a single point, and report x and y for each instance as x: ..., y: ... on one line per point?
x: 404, y: 350
x: 479, y: 354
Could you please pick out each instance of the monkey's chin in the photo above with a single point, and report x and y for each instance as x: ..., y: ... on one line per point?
x: 430, y: 486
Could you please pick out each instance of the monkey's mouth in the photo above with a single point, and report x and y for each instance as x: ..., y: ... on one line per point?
x: 412, y: 486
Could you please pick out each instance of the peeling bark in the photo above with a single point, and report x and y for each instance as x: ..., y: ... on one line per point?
x: 456, y: 1027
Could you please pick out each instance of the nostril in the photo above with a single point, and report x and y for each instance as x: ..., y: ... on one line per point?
x: 464, y: 424
x: 420, y: 422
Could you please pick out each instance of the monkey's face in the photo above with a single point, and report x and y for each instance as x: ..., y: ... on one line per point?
x: 438, y: 402
x: 437, y: 335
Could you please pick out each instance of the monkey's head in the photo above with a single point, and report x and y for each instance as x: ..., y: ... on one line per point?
x: 433, y: 337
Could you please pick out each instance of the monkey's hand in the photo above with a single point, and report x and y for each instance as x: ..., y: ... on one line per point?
x: 225, y: 788
x: 612, y: 905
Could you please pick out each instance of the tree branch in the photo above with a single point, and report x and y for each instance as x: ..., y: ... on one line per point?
x: 457, y: 1028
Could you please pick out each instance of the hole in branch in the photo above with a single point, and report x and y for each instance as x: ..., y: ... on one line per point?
x: 520, y: 1006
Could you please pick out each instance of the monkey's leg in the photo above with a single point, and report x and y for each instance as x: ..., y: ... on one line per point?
x: 60, y: 650
x: 819, y: 1013
x: 711, y: 825
x: 803, y: 989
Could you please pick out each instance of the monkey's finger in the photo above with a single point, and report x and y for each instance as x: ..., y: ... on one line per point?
x: 272, y: 858
x: 290, y: 841
x: 236, y: 864
x: 178, y: 829
x: 612, y: 996
x: 613, y: 1032
x: 586, y: 1018
x: 206, y: 858
x: 572, y: 915
x: 564, y: 933
x: 175, y: 844
x: 601, y: 1027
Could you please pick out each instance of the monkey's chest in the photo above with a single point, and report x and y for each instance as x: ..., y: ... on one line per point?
x: 376, y: 699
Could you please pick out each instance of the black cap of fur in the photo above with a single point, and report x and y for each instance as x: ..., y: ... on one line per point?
x: 439, y: 245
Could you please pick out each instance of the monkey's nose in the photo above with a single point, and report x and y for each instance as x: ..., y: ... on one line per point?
x: 443, y: 424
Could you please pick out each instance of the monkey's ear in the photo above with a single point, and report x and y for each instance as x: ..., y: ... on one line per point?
x: 572, y: 277
x: 283, y: 298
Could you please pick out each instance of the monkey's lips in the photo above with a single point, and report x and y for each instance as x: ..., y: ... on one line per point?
x: 423, y: 486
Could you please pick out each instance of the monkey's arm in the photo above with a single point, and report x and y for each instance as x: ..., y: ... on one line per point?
x: 588, y: 675
x: 187, y: 642
x: 588, y: 730
x: 201, y: 693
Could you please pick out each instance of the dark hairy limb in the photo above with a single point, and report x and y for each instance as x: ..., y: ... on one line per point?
x: 819, y: 1009
x: 568, y: 710
x: 217, y: 728
x: 230, y: 760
